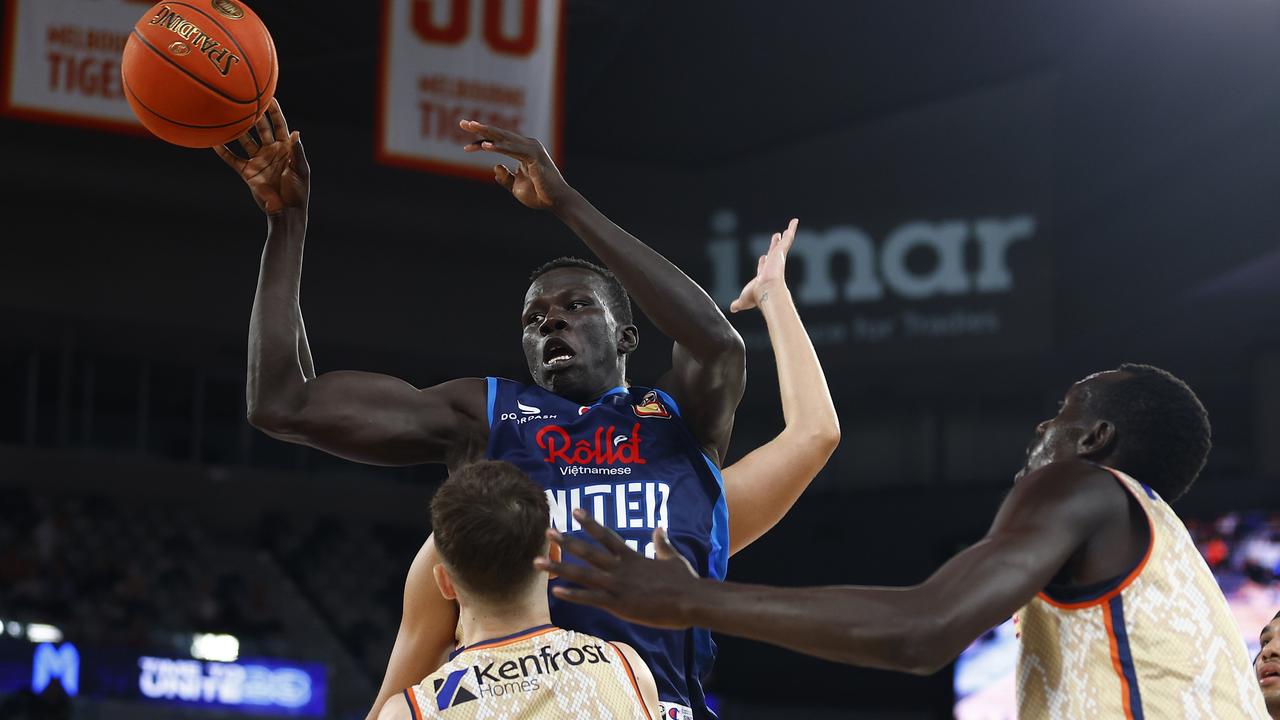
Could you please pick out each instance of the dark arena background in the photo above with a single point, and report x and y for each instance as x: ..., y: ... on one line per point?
x: 995, y: 199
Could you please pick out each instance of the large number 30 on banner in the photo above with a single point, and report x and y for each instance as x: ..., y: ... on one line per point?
x: 62, y: 61
x: 496, y: 61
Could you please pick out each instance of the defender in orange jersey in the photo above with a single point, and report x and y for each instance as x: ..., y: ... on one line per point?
x: 1118, y: 614
x: 490, y: 522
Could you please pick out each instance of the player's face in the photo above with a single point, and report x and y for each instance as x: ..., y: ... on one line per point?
x: 571, y: 339
x: 1058, y: 437
x: 1267, y: 666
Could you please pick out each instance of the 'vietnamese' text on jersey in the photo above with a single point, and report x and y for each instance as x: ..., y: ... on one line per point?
x: 630, y: 461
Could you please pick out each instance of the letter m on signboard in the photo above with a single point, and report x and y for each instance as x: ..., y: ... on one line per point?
x: 62, y: 663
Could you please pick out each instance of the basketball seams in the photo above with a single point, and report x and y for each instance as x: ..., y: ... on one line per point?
x: 167, y: 119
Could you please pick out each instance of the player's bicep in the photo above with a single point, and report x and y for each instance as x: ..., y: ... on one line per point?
x: 708, y: 392
x: 379, y: 419
x: 1045, y: 520
x: 646, y: 686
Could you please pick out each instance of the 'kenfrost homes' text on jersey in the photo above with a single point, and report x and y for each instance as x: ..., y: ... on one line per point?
x: 630, y: 461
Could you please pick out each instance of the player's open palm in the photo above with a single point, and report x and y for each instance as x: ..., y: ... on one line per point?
x: 536, y: 182
x: 621, y: 580
x: 276, y: 169
x: 771, y: 270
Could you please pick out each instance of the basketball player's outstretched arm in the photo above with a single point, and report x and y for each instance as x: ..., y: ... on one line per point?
x: 428, y: 624
x: 361, y: 416
x: 761, y: 487
x: 1046, y: 518
x: 708, y: 360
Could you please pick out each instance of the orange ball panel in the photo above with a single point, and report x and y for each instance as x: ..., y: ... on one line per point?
x: 199, y: 73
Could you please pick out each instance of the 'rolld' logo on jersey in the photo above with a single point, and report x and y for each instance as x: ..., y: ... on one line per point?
x: 607, y: 447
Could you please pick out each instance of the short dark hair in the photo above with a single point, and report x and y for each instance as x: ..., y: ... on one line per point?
x: 1163, y: 429
x: 490, y: 522
x: 615, y: 295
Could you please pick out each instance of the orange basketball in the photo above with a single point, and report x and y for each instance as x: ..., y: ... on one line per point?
x: 199, y: 73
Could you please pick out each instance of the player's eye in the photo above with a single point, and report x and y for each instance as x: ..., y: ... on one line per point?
x: 534, y: 318
x: 577, y: 305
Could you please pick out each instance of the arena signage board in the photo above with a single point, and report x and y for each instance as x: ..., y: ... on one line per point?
x: 249, y: 685
x: 928, y: 231
x: 62, y: 61
x: 496, y: 61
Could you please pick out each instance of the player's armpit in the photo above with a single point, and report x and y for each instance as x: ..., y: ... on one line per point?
x: 645, y: 684
x: 708, y: 392
x: 428, y: 627
x: 382, y: 420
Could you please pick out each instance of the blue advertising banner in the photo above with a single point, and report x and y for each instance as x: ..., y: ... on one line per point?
x: 254, y: 686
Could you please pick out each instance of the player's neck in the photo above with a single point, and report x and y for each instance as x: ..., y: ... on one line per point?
x: 483, y: 621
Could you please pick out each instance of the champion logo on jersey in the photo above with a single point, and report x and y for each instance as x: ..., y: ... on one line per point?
x: 672, y: 711
x: 651, y: 406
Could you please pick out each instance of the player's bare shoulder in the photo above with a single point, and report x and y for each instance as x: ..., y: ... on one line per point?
x: 464, y: 403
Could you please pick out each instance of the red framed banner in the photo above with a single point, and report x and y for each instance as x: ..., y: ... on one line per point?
x: 62, y: 61
x: 497, y: 61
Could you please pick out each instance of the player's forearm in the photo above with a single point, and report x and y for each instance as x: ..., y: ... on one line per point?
x: 279, y: 357
x: 676, y: 304
x: 806, y: 400
x: 871, y: 627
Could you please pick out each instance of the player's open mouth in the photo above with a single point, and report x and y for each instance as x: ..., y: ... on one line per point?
x: 1269, y: 674
x: 556, y: 353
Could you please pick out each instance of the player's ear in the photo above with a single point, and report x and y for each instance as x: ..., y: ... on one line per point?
x: 628, y: 339
x: 553, y: 554
x: 1098, y: 441
x: 444, y: 582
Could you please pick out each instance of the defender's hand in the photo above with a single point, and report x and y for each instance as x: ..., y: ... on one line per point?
x: 622, y: 581
x: 537, y: 181
x: 771, y: 270
x: 276, y: 170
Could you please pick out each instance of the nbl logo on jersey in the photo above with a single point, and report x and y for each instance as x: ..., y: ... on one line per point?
x: 651, y: 406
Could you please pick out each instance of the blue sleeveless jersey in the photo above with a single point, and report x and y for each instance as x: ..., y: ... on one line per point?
x: 630, y: 461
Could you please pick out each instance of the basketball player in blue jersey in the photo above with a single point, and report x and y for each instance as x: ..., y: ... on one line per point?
x: 790, y: 460
x: 658, y: 468
x: 1267, y: 666
x: 1118, y: 615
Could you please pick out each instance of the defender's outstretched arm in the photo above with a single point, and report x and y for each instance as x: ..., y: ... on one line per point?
x: 761, y: 487
x: 918, y: 629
